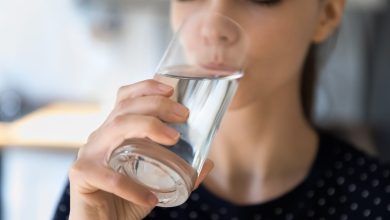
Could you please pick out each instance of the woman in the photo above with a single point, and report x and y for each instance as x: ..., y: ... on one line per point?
x: 275, y: 166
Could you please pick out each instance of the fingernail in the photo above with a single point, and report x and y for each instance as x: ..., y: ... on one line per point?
x: 171, y: 132
x: 164, y: 88
x: 180, y: 110
x: 152, y: 200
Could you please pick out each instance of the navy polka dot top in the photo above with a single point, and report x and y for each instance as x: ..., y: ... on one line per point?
x: 343, y: 184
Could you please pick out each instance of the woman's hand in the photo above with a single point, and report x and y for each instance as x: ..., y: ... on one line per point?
x: 96, y: 191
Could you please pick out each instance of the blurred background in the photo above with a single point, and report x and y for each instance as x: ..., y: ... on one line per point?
x: 61, y: 62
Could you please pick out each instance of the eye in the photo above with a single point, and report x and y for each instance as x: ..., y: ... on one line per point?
x: 266, y: 2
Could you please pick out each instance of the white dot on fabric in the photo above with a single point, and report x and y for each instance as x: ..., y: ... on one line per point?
x: 351, y: 171
x: 375, y: 183
x: 328, y: 174
x: 223, y: 210
x: 340, y: 180
x: 193, y: 215
x: 352, y: 187
x: 338, y: 165
x: 214, y: 216
x: 310, y: 194
x: 365, y: 194
x: 289, y: 216
x: 378, y: 218
x: 331, y: 211
x: 331, y: 191
x: 173, y: 214
x: 257, y: 217
x: 367, y: 213
x: 234, y: 218
x: 388, y: 207
x: 204, y: 207
x: 343, y: 199
x: 343, y: 217
x: 321, y: 201
x: 278, y: 211
x: 363, y: 177
x: 377, y: 201
x: 347, y: 157
x: 373, y: 167
x: 387, y: 189
x: 310, y: 213
x: 354, y: 206
x: 386, y: 173
x: 320, y: 183
x: 195, y: 197
x: 361, y: 161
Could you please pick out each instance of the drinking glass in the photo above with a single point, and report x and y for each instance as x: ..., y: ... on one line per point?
x: 203, y: 63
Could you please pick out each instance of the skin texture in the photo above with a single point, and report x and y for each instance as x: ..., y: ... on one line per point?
x: 267, y: 107
x: 275, y: 147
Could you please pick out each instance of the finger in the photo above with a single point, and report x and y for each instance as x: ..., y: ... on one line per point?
x: 124, y: 127
x: 207, y: 167
x: 158, y: 106
x: 90, y: 177
x: 144, y: 88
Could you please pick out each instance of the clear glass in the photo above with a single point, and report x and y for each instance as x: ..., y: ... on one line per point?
x: 203, y: 63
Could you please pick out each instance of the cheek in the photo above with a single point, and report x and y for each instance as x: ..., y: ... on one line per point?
x: 179, y: 12
x: 279, y: 49
x: 279, y: 45
x: 176, y: 17
x: 188, y: 39
x: 280, y: 42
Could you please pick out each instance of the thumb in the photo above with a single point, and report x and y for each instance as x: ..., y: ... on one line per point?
x: 207, y: 167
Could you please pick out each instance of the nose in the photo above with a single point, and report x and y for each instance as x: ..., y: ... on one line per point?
x: 219, y: 30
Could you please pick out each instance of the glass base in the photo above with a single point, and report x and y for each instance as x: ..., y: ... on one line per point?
x: 164, y: 173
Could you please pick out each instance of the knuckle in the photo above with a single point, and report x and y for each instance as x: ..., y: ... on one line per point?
x: 118, y: 121
x: 92, y: 136
x: 122, y: 104
x: 121, y: 90
x: 149, y: 83
x: 113, y: 179
x: 158, y: 101
x: 115, y: 123
x: 75, y: 171
x: 152, y: 124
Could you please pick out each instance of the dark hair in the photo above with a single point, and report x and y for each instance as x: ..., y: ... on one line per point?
x: 308, y: 82
x: 316, y: 58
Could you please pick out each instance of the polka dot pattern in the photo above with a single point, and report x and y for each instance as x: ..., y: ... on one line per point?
x: 343, y: 184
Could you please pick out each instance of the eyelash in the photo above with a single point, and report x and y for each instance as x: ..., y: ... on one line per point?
x: 259, y: 2
x: 267, y: 2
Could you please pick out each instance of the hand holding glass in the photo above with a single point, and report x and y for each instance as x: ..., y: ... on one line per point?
x: 203, y: 64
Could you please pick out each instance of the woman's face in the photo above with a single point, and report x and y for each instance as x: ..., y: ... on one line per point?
x: 280, y: 33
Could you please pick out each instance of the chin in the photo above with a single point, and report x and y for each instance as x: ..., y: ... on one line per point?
x: 240, y: 100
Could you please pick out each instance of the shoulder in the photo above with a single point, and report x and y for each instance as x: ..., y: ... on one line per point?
x: 342, y: 157
x: 338, y: 158
x: 354, y: 181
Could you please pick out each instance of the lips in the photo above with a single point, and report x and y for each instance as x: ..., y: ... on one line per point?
x: 217, y: 66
